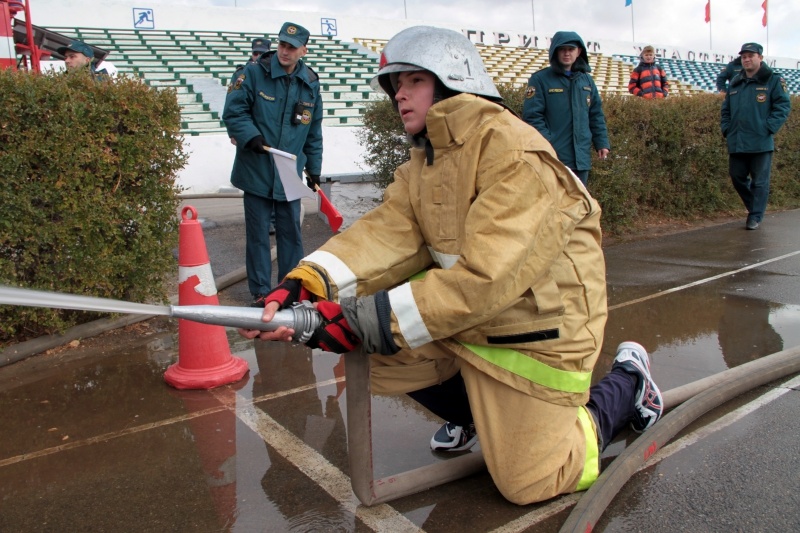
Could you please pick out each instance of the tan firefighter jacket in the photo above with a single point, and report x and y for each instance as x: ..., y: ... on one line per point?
x: 510, y: 240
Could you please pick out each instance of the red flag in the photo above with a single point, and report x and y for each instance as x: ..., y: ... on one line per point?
x: 333, y: 215
x: 764, y: 18
x: 294, y: 188
x: 708, y: 11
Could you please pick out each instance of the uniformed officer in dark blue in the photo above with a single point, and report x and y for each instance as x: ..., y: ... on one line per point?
x: 274, y: 102
x: 562, y: 102
x: 727, y: 73
x: 260, y: 45
x: 755, y: 107
x: 78, y: 54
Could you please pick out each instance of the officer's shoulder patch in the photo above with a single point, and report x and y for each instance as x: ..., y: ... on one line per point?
x: 530, y: 92
x: 783, y: 84
x: 236, y: 85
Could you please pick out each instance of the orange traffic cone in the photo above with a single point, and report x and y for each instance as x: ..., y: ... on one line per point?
x: 204, y: 356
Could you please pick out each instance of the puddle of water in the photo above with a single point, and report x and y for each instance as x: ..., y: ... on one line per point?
x: 698, y: 332
x: 785, y: 320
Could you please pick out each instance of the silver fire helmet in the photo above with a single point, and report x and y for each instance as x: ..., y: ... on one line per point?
x: 449, y: 55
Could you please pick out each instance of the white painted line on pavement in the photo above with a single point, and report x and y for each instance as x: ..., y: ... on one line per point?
x: 702, y: 281
x: 380, y: 517
x: 542, y: 513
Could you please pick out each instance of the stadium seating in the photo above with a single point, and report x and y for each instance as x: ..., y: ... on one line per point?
x: 514, y: 65
x: 198, y: 65
x: 703, y: 76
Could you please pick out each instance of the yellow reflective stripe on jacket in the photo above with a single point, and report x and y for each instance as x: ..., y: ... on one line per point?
x: 533, y: 370
x: 591, y: 467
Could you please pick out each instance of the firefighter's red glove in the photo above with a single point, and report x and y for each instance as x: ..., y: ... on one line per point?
x: 287, y: 293
x: 334, y: 333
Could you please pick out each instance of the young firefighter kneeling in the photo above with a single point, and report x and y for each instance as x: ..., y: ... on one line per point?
x: 502, y: 320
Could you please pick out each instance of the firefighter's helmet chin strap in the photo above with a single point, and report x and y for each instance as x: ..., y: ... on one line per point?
x: 420, y: 140
x: 428, y: 151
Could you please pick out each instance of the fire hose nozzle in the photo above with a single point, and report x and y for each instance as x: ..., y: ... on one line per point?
x: 301, y: 317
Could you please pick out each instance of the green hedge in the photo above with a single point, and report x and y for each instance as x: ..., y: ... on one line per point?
x: 668, y: 158
x: 89, y: 201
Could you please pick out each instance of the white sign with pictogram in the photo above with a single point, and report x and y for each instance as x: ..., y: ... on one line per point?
x: 143, y: 18
x: 328, y: 27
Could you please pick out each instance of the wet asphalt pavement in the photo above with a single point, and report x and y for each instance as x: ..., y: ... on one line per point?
x: 93, y: 439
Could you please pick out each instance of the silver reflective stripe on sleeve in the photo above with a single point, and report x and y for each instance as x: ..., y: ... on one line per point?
x: 408, y: 318
x: 444, y: 261
x: 340, y: 275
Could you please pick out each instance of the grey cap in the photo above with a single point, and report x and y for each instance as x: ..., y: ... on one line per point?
x: 294, y: 34
x: 752, y: 47
x: 261, y: 44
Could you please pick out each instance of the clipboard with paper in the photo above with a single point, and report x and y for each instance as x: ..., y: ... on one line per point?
x: 294, y: 187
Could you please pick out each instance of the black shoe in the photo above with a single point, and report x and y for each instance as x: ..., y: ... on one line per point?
x: 751, y: 223
x: 272, y: 230
x: 258, y: 301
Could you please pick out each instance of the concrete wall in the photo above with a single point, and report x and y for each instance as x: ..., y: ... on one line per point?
x: 211, y: 159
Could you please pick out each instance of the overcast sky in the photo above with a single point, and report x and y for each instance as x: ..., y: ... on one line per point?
x: 678, y: 23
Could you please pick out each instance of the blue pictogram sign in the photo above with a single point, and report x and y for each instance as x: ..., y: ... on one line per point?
x: 143, y: 18
x: 328, y: 27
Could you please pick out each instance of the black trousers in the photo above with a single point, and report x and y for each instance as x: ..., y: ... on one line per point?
x: 610, y: 403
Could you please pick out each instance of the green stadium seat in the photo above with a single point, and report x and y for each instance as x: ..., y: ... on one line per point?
x: 170, y: 59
